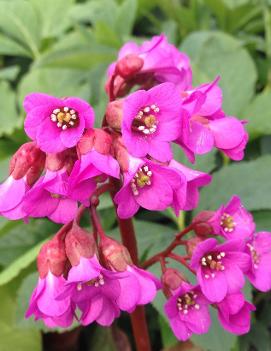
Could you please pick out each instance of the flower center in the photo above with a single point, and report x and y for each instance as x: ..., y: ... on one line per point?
x: 187, y: 301
x: 55, y: 196
x: 227, y: 223
x: 212, y: 264
x: 254, y: 255
x: 146, y: 120
x: 96, y: 282
x: 141, y: 179
x: 65, y: 117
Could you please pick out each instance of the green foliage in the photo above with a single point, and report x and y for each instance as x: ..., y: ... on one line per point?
x: 63, y: 47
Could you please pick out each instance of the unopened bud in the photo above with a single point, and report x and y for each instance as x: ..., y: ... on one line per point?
x: 172, y: 279
x: 121, y: 154
x: 115, y: 255
x: 201, y: 225
x: 52, y: 257
x: 79, y: 243
x: 114, y: 114
x: 64, y: 159
x: 28, y: 161
x: 129, y: 65
x: 192, y: 244
x: 95, y: 139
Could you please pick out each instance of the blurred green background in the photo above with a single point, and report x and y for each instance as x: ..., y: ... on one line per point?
x: 62, y: 47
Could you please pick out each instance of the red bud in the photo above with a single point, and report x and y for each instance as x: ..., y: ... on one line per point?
x: 172, y: 279
x: 79, y: 243
x: 65, y: 159
x: 129, y: 65
x: 201, y: 225
x: 52, y: 256
x: 114, y: 114
x: 192, y: 244
x: 121, y: 154
x: 115, y: 255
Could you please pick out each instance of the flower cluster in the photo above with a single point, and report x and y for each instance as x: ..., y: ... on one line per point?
x: 68, y: 163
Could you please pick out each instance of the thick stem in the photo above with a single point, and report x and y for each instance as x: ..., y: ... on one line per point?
x: 138, y: 318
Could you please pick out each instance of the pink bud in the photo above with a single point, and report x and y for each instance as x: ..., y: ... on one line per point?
x: 129, y: 65
x: 102, y: 141
x: 172, y: 279
x: 64, y: 159
x: 27, y: 161
x: 86, y: 142
x: 114, y: 114
x: 192, y: 244
x: 201, y: 225
x: 115, y: 255
x: 121, y: 154
x: 79, y: 243
x: 52, y: 256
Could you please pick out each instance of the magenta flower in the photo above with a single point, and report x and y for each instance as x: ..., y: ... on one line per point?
x: 259, y: 273
x: 220, y: 267
x: 233, y: 221
x: 188, y: 312
x: 204, y: 124
x: 49, y: 198
x: 234, y: 314
x: 56, y: 124
x: 44, y: 305
x: 194, y: 180
x: 149, y: 185
x: 100, y: 293
x: 151, y: 119
x: 161, y: 62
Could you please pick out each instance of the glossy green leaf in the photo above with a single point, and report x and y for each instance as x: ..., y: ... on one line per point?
x: 8, y: 114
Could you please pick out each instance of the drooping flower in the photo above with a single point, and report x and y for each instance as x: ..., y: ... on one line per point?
x: 259, y: 249
x: 49, y: 198
x: 188, y: 312
x: 155, y: 61
x: 233, y: 221
x: 220, y: 267
x: 151, y: 119
x: 56, y: 124
x: 26, y: 166
x: 44, y: 304
x: 205, y: 126
x: 234, y: 313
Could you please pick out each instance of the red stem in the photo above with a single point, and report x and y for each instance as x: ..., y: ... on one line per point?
x: 138, y: 318
x: 181, y: 260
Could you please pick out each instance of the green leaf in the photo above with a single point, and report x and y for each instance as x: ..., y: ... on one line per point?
x: 9, y: 73
x: 58, y: 82
x: 263, y: 220
x: 53, y: 15
x: 126, y: 17
x: 21, y: 238
x: 216, y: 53
x: 14, y: 269
x: 12, y: 337
x: 19, y: 20
x: 8, y: 115
x: 249, y: 180
x: 10, y: 47
x: 258, y: 113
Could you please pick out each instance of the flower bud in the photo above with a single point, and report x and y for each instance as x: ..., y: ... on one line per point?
x: 201, y: 225
x: 121, y: 154
x: 79, y: 243
x: 115, y: 255
x: 114, y: 114
x: 192, y: 244
x: 52, y: 257
x: 64, y: 159
x: 172, y: 279
x: 129, y: 65
x: 27, y: 161
x: 94, y: 139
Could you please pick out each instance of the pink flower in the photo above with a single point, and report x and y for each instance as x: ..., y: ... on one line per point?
x: 194, y: 180
x: 44, y: 305
x: 188, y: 312
x: 56, y: 124
x: 233, y: 221
x: 220, y: 267
x: 204, y: 124
x: 49, y: 198
x: 234, y: 314
x: 151, y: 119
x: 259, y: 273
x: 149, y: 185
x: 157, y: 61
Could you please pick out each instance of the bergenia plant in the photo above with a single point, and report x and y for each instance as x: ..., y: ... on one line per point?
x: 68, y: 164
